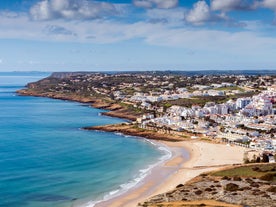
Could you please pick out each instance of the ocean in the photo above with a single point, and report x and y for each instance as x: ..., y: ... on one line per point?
x: 46, y: 159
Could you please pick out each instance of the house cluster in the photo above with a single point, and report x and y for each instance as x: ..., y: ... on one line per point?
x: 145, y: 100
x: 249, y: 120
x: 258, y: 105
x: 219, y: 106
x: 158, y: 97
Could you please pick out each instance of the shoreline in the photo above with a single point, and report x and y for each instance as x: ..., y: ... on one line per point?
x: 179, y: 169
x: 176, y: 170
x: 115, y: 109
x: 145, y: 175
x: 150, y: 183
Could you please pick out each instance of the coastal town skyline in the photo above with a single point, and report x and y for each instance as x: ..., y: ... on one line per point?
x: 70, y: 35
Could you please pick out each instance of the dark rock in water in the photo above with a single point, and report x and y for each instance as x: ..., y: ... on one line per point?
x: 49, y: 197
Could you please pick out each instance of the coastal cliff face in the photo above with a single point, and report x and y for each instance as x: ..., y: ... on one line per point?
x: 115, y: 110
x: 133, y: 130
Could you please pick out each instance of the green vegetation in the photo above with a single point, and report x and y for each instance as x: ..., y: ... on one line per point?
x: 229, y: 88
x: 206, y: 139
x: 258, y: 171
x: 197, y: 100
x: 241, y: 95
x: 202, y: 100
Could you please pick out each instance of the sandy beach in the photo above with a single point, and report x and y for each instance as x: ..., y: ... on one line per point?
x: 190, y: 158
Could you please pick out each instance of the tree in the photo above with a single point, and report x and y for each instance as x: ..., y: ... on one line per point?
x: 265, y: 158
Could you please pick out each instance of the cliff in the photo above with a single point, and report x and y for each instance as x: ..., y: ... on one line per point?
x: 133, y: 130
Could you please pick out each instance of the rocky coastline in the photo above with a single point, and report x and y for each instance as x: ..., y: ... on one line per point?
x: 134, y: 130
x: 114, y: 109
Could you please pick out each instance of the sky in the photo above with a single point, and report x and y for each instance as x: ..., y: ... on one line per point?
x: 107, y: 35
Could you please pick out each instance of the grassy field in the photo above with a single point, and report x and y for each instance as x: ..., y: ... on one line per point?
x: 230, y: 88
x: 256, y: 170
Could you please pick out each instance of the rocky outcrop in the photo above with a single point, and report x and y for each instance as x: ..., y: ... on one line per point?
x: 133, y: 130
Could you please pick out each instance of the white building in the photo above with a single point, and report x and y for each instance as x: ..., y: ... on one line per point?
x: 243, y: 102
x: 215, y: 93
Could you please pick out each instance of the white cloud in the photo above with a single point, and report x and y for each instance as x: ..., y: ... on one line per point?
x: 161, y: 4
x: 270, y: 4
x: 228, y: 5
x: 71, y: 9
x: 102, y: 31
x: 199, y: 13
x: 202, y: 13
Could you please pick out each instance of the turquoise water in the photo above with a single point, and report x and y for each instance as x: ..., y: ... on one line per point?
x: 47, y: 160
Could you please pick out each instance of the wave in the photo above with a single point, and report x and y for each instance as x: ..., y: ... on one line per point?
x: 120, y: 134
x: 142, y: 174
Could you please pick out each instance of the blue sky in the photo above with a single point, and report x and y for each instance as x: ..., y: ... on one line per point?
x: 71, y: 35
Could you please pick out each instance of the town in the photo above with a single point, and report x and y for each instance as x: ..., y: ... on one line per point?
x: 236, y: 109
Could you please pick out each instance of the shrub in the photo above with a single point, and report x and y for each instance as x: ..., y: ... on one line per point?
x: 272, y: 189
x: 267, y: 177
x: 249, y: 180
x: 265, y: 158
x: 225, y: 178
x: 231, y: 187
x: 256, y: 185
x: 246, y: 188
x: 257, y: 169
x: 266, y: 196
x: 198, y: 192
x: 237, y: 178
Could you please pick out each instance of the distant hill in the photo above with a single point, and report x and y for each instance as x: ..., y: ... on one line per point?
x: 170, y: 72
x: 202, y: 72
